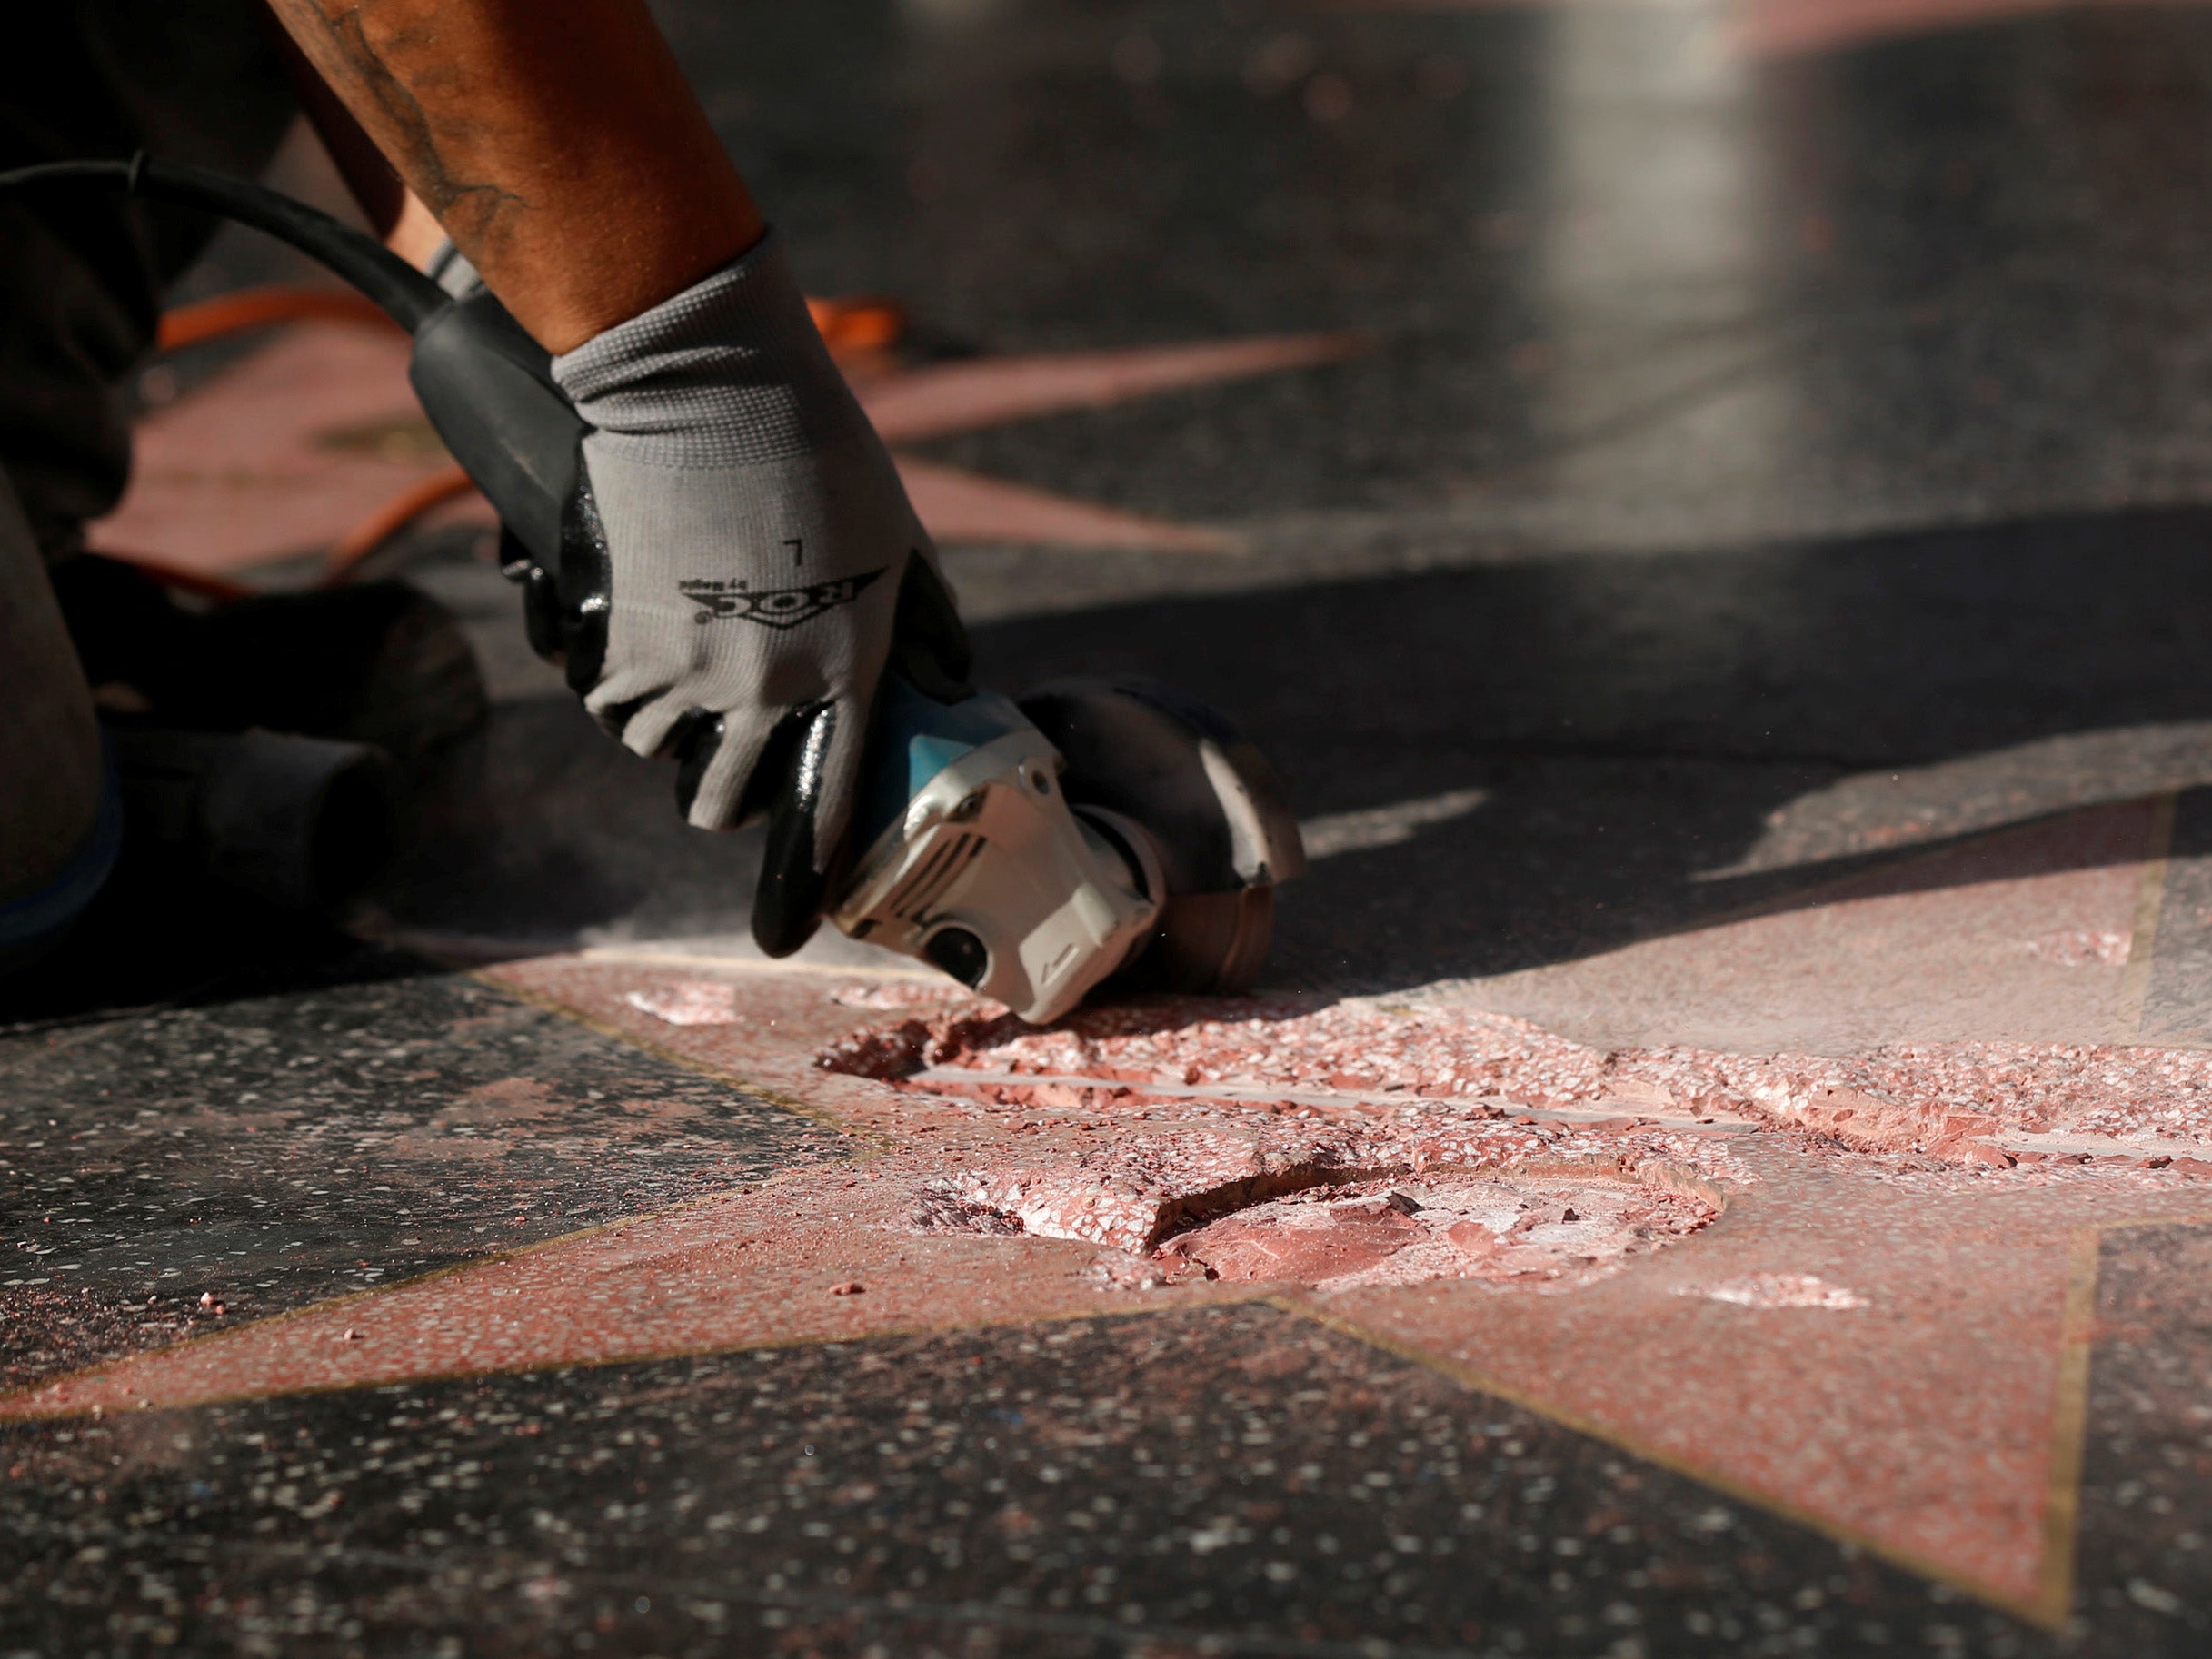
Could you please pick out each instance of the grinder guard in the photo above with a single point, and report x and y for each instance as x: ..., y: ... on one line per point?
x: 1211, y: 805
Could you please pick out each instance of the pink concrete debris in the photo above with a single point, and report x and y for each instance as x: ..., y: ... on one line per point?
x: 1950, y: 1101
x: 1132, y: 1194
x: 1309, y: 1244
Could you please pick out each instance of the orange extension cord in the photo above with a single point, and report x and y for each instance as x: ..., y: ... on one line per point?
x: 233, y: 314
x: 850, y: 328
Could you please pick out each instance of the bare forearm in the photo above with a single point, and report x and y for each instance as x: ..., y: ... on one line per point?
x: 556, y: 141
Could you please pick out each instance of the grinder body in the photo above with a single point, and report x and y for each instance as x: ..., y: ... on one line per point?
x: 1100, y: 827
x: 970, y: 858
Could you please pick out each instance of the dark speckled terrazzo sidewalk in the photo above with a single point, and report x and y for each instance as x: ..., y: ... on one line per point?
x: 1709, y: 507
x: 267, y: 1152
x: 1233, y: 1482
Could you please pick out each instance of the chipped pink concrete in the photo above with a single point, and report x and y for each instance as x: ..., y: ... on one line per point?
x: 1521, y: 1229
x: 1312, y: 1243
x: 1930, y: 1423
x: 1132, y: 1193
x: 1954, y: 1101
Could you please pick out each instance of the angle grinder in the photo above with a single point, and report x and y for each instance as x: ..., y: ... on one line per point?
x: 1034, y: 848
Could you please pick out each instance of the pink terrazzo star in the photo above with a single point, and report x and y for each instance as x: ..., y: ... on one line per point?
x: 1886, y: 1348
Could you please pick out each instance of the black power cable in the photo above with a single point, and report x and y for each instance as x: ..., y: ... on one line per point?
x: 486, y: 384
x: 405, y: 294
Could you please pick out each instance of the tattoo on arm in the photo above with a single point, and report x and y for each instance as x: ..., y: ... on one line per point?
x: 555, y: 140
x: 474, y: 209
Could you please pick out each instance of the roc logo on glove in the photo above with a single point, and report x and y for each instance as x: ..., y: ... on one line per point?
x: 776, y: 608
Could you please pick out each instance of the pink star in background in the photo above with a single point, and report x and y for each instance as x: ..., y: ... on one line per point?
x: 292, y: 449
x: 1786, y: 28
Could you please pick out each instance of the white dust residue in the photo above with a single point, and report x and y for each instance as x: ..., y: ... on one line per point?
x: 1777, y: 1290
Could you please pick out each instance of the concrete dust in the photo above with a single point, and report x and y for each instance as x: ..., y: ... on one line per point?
x: 1777, y: 1290
x: 689, y: 1002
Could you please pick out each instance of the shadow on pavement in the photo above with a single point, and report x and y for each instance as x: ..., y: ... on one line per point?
x: 1635, y: 723
x: 1624, y: 746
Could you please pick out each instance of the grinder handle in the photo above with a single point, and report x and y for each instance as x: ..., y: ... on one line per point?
x: 488, y: 389
x: 930, y: 658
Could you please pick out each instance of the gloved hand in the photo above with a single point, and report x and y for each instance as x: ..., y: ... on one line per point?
x: 754, y: 551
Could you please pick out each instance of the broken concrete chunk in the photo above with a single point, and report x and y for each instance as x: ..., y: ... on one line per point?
x: 1498, y: 1227
x: 1304, y: 1244
x: 1133, y: 1193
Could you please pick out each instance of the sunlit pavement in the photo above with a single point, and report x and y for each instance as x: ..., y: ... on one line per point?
x: 1702, y: 504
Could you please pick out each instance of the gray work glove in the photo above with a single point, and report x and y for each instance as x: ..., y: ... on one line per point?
x: 757, y: 548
